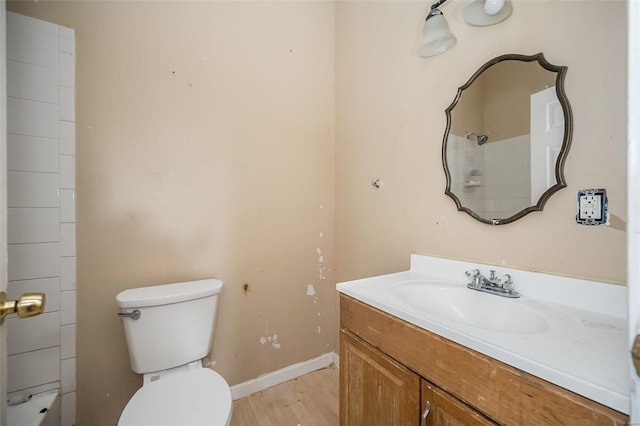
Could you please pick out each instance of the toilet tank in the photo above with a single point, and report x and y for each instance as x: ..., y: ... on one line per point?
x: 175, y: 326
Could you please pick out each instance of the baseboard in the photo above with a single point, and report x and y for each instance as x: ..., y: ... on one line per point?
x: 284, y: 374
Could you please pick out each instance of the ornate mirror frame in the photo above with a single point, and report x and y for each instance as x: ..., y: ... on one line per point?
x: 564, y: 150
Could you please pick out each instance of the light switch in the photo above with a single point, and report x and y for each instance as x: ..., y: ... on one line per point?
x: 592, y: 207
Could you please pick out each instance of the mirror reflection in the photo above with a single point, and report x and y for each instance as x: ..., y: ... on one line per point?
x: 508, y: 133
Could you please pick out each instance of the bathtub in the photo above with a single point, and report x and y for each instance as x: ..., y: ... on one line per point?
x: 42, y: 409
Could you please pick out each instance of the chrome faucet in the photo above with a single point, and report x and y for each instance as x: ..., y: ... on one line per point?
x: 501, y: 286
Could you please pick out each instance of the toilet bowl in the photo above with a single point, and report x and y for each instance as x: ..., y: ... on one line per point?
x: 197, y: 397
x: 169, y: 330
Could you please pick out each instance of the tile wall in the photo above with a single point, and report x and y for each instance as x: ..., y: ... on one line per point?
x: 466, y: 166
x: 41, y: 210
x: 493, y: 179
x: 507, y: 165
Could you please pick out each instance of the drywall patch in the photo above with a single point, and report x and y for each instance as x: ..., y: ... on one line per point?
x: 271, y: 339
x: 310, y: 290
x: 321, y: 267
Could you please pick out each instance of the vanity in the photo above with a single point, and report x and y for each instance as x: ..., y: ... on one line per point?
x: 420, y: 348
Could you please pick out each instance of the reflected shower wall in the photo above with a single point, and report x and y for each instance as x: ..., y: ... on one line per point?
x: 492, y: 179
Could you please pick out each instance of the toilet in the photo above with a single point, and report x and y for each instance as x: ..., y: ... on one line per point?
x: 169, y: 330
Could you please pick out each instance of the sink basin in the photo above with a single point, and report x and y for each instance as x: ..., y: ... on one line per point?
x: 460, y: 304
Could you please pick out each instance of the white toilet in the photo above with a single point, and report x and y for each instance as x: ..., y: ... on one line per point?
x: 169, y: 330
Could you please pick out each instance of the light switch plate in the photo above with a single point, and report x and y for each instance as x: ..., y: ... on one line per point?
x: 592, y: 207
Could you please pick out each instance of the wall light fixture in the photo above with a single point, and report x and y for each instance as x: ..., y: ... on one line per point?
x: 437, y: 38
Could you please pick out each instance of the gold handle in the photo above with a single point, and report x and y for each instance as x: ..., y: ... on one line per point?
x: 29, y: 305
x: 635, y: 354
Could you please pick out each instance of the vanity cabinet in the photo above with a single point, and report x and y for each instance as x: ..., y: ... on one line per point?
x: 391, y: 368
x: 375, y: 390
x: 446, y: 410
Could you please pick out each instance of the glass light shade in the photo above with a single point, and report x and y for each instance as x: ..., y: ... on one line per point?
x: 477, y: 12
x: 436, y: 36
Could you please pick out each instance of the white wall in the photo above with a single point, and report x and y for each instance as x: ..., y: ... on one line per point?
x: 633, y: 191
x: 41, y: 212
x: 3, y: 205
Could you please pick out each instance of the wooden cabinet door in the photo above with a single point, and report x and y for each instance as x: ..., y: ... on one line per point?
x: 446, y: 410
x: 374, y: 389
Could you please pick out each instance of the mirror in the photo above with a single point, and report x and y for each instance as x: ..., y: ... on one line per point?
x: 508, y: 135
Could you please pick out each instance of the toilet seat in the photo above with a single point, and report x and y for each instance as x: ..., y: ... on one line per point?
x: 196, y: 397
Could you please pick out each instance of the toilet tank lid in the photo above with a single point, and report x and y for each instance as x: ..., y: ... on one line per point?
x: 168, y: 293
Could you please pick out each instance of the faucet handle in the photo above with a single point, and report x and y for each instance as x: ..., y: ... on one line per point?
x: 508, y: 283
x: 472, y: 273
x: 475, y: 277
x: 494, y: 279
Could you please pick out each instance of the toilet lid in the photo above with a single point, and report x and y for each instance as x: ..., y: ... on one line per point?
x: 195, y: 398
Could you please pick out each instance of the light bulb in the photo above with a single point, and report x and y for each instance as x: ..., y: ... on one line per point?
x: 492, y: 7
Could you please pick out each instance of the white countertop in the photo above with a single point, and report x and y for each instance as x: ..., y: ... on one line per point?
x: 584, y: 349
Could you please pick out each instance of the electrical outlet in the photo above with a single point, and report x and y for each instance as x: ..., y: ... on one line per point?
x: 592, y: 207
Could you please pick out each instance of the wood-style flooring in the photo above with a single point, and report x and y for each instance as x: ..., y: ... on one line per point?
x: 309, y: 400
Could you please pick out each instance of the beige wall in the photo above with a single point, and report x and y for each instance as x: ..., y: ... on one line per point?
x: 507, y: 97
x: 390, y: 121
x: 205, y: 148
x: 497, y: 103
x: 464, y: 116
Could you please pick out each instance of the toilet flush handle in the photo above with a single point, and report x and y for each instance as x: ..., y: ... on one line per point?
x: 134, y: 315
